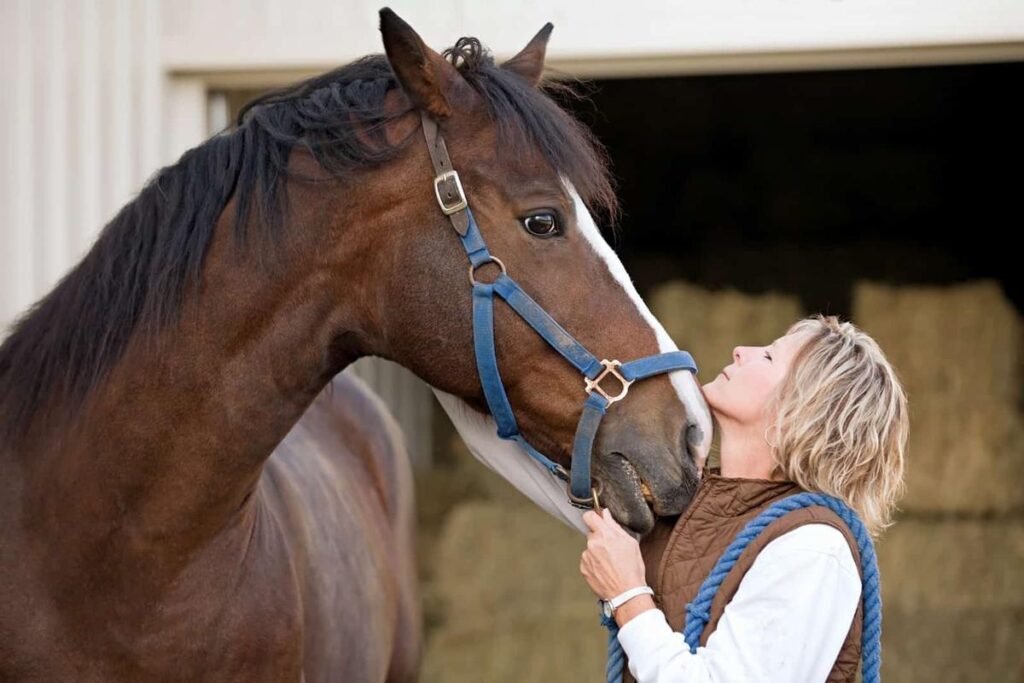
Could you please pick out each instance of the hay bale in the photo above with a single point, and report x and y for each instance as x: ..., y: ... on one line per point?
x: 952, y: 645
x: 953, y: 564
x: 959, y: 352
x: 569, y: 650
x: 711, y: 324
x: 505, y: 586
x: 500, y: 561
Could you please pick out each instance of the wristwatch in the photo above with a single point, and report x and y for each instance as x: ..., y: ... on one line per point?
x: 608, y: 607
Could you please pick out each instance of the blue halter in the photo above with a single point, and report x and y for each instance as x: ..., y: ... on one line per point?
x: 452, y: 200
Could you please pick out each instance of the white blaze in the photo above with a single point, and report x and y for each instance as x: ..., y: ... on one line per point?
x: 683, y: 381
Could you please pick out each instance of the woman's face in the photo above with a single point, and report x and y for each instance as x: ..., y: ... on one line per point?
x: 739, y: 393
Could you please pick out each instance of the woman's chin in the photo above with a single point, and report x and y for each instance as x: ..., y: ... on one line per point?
x: 710, y: 391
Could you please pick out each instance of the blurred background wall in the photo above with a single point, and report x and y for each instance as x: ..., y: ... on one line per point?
x: 775, y: 159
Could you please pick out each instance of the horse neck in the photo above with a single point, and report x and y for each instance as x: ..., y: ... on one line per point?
x: 173, y: 442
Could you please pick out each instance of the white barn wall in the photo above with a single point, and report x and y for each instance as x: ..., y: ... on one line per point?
x: 81, y: 120
x: 597, y: 37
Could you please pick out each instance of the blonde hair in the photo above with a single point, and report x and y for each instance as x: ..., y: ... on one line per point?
x: 841, y: 420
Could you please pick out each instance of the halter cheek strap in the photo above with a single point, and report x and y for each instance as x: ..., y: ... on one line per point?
x: 452, y: 200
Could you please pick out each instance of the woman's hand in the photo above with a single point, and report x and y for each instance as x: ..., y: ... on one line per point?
x: 611, y: 563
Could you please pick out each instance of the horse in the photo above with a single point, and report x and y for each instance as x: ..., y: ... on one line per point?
x: 190, y: 489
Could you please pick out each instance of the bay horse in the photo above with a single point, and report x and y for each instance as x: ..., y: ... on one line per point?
x: 189, y: 489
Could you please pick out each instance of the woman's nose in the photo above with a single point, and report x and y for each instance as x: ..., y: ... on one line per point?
x: 736, y: 354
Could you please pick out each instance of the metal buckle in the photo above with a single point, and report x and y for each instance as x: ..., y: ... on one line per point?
x: 460, y: 201
x: 592, y: 503
x: 609, y: 369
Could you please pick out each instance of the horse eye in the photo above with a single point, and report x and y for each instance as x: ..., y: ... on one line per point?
x: 542, y: 225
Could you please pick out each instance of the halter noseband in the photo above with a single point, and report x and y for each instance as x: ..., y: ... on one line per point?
x: 452, y: 200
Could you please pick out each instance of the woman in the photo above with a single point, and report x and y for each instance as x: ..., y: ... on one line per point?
x: 819, y: 410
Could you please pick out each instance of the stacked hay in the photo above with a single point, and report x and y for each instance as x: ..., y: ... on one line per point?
x: 952, y: 576
x: 503, y: 597
x: 953, y: 564
x: 711, y: 324
x: 514, y: 603
x: 960, y: 353
x: 953, y: 596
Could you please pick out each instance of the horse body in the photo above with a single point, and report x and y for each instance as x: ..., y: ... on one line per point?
x: 213, y: 511
x: 327, y: 532
x: 345, y: 507
x: 181, y: 499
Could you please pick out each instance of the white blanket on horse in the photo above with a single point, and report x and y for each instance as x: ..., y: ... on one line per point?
x: 510, y: 461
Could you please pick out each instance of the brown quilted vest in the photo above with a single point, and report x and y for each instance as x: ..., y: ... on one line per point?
x: 681, y: 551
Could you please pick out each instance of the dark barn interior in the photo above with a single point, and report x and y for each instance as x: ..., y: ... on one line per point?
x: 803, y: 182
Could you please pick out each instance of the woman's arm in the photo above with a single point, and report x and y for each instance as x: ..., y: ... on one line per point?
x: 787, y: 621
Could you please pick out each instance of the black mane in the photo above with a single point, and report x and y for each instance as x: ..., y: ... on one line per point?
x: 150, y: 255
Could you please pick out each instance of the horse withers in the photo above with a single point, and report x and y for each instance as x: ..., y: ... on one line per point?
x: 181, y: 499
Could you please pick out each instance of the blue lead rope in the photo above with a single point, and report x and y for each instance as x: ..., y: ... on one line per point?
x: 698, y: 612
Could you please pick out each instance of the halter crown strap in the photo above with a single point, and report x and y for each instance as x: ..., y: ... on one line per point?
x: 447, y: 184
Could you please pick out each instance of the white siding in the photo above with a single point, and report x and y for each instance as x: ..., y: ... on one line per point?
x: 601, y: 37
x: 79, y: 131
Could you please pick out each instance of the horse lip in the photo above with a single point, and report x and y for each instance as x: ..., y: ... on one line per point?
x: 642, y: 485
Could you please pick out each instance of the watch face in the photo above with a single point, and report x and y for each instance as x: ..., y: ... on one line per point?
x: 606, y: 608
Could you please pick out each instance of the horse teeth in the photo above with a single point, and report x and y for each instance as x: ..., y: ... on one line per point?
x: 646, y: 490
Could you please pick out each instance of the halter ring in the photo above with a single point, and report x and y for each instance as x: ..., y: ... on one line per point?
x: 591, y: 503
x: 609, y: 369
x: 490, y: 259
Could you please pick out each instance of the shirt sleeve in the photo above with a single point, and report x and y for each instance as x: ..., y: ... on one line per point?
x: 787, y: 622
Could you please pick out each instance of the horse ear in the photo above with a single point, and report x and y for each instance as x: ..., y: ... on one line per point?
x: 425, y: 76
x: 529, y: 63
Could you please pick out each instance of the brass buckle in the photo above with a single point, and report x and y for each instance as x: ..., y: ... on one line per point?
x: 591, y: 503
x: 460, y: 200
x: 609, y: 369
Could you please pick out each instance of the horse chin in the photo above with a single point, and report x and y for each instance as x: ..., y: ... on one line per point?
x: 626, y: 497
x: 638, y: 502
x: 633, y: 513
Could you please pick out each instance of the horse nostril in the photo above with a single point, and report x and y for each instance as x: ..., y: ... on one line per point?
x: 693, y: 440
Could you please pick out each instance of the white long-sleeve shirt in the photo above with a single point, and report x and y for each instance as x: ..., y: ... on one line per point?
x: 786, y: 622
